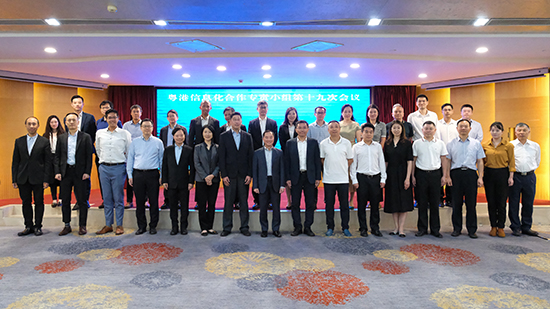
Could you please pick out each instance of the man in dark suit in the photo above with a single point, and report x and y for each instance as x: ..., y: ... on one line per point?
x: 236, y: 154
x: 256, y: 128
x: 227, y: 112
x: 31, y: 172
x: 195, y: 128
x: 268, y: 173
x: 303, y: 173
x: 72, y: 166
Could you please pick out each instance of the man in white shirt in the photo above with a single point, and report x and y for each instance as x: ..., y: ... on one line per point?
x: 422, y: 115
x: 476, y: 132
x: 336, y: 157
x: 112, y: 144
x: 446, y: 131
x: 428, y: 177
x: 527, y: 154
x: 368, y: 175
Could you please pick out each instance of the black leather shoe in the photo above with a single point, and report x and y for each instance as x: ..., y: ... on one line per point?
x: 516, y: 233
x: 75, y: 207
x: 296, y: 232
x: 436, y: 234
x: 530, y: 232
x: 455, y: 233
x: 164, y: 206
x: 289, y: 207
x: 255, y: 207
x: 376, y: 233
x: 277, y: 234
x: 140, y: 231
x: 247, y: 233
x: 152, y: 231
x: 224, y: 233
x: 26, y: 231
x: 364, y: 233
x: 196, y: 206
x: 38, y: 232
x: 309, y: 232
x: 472, y: 235
x: 174, y: 232
x: 237, y: 206
x: 101, y: 206
x: 264, y: 234
x: 420, y: 233
x: 270, y: 206
x: 183, y: 232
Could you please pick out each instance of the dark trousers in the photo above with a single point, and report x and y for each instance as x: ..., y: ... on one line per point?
x: 330, y: 198
x: 368, y: 191
x: 236, y: 187
x: 98, y: 177
x: 496, y: 192
x: 427, y: 190
x: 26, y: 192
x: 309, y: 196
x: 146, y: 184
x: 256, y: 198
x: 265, y: 198
x: 175, y: 196
x: 464, y: 189
x: 524, y: 186
x: 68, y: 182
x: 129, y: 193
x: 206, y: 197
x: 54, y: 185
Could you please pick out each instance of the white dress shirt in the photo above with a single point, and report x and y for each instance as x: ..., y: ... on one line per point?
x: 476, y: 130
x: 53, y: 141
x: 417, y: 120
x: 527, y: 156
x: 204, y: 121
x: 268, y: 160
x: 112, y: 146
x: 262, y: 124
x: 30, y: 142
x: 302, y: 154
x: 336, y: 155
x: 71, y: 148
x: 368, y: 160
x: 446, y: 131
x: 428, y: 153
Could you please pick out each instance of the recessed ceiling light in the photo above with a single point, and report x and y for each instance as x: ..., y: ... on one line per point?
x: 52, y: 22
x: 267, y: 76
x: 354, y: 65
x: 374, y: 22
x: 50, y: 50
x: 186, y: 75
x: 104, y: 75
x: 160, y: 22
x: 317, y: 46
x: 481, y: 22
x: 267, y: 23
x: 310, y: 65
x: 343, y: 75
x: 176, y: 66
x: 266, y: 67
x: 482, y: 50
x: 221, y: 68
x: 422, y: 75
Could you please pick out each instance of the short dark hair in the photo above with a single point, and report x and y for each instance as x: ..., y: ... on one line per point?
x: 229, y: 108
x: 176, y: 129
x: 321, y: 107
x: 523, y: 124
x: 366, y: 125
x: 112, y: 110
x: 209, y: 127
x: 467, y: 105
x: 262, y: 102
x: 236, y: 114
x: 498, y: 125
x: 106, y: 102
x: 38, y: 121
x: 429, y: 122
x: 136, y: 106
x: 446, y: 104
x: 145, y: 120
x: 72, y: 113
x: 421, y: 96
x: 268, y: 131
x: 301, y: 121
x: 333, y: 121
x: 76, y: 96
x: 173, y: 111
x: 461, y: 120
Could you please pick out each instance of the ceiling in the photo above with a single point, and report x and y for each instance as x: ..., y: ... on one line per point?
x: 416, y: 36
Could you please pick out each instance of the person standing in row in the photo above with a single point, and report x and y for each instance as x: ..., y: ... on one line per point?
x: 112, y: 144
x: 196, y: 125
x: 499, y: 175
x: 287, y: 131
x: 318, y: 130
x: 466, y: 156
x: 268, y: 172
x: 53, y: 130
x: 527, y: 160
x: 73, y: 166
x: 178, y: 177
x: 350, y: 130
x: 373, y: 117
x: 336, y: 157
x: 236, y: 153
x: 476, y: 130
x: 446, y: 131
x: 227, y: 112
x: 368, y: 174
x: 398, y: 114
x: 303, y: 174
x: 31, y: 170
x: 399, y: 158
x: 134, y: 127
x: 421, y: 116
x: 207, y: 179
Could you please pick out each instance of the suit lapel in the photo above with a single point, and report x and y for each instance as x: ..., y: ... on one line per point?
x: 26, y: 147
x: 79, y: 138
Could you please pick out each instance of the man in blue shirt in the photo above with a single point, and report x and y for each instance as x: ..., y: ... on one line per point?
x: 134, y: 127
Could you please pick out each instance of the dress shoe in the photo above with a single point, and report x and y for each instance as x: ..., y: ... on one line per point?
x: 224, y: 233
x: 530, y: 232
x: 516, y: 232
x: 119, y: 230
x: 128, y: 205
x: 309, y: 232
x: 246, y: 232
x: 455, y: 233
x: 237, y: 206
x: 174, y: 231
x: 270, y: 207
x: 347, y: 233
x: 213, y: 232
x: 38, y: 232
x: 75, y: 207
x: 376, y: 233
x: 402, y: 235
x: 289, y: 207
x: 263, y: 234
x: 493, y: 232
x: 500, y: 233
x: 196, y: 206
x: 296, y: 232
x: 26, y: 231
x: 393, y: 233
x: 82, y: 230
x: 436, y: 234
x: 420, y: 233
x: 364, y: 233
x: 183, y: 232
x: 329, y: 232
x: 54, y: 204
x: 104, y: 230
x: 66, y: 230
x: 277, y: 234
x: 255, y: 207
x: 472, y: 235
x: 204, y: 233
x: 152, y: 231
x: 164, y: 206
x: 101, y: 206
x: 140, y: 231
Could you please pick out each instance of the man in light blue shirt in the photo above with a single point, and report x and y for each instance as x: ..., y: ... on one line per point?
x: 143, y: 168
x: 318, y: 130
x: 476, y: 132
x: 134, y: 127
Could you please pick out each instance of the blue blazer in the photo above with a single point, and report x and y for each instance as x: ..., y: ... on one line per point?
x: 256, y: 132
x: 259, y: 170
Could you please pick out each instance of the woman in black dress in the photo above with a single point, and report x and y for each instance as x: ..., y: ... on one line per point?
x: 53, y: 130
x: 399, y: 164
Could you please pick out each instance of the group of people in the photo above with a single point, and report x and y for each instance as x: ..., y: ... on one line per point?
x: 443, y: 160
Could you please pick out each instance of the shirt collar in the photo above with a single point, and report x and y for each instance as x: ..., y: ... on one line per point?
x: 502, y: 142
x: 425, y: 140
x: 338, y: 142
x: 266, y: 149
x: 207, y: 117
x: 460, y: 140
x: 75, y: 133
x: 299, y: 141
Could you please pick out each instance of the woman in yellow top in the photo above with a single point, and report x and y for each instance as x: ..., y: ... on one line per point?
x: 350, y: 130
x: 500, y: 166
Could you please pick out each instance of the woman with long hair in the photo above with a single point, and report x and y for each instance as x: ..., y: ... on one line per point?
x: 373, y: 117
x: 53, y: 130
x: 350, y: 130
x: 287, y: 131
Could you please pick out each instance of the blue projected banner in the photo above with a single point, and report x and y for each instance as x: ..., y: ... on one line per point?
x: 187, y: 101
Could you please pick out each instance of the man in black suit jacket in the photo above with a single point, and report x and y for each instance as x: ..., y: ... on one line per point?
x: 31, y: 172
x: 268, y: 173
x: 195, y: 128
x: 303, y: 173
x: 227, y: 112
x: 73, y: 166
x: 236, y: 154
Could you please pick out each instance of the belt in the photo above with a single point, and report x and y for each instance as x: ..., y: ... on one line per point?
x: 151, y: 170
x: 112, y: 164
x: 369, y: 176
x: 425, y: 171
x: 303, y: 171
x: 462, y: 169
x: 71, y: 166
x: 524, y: 173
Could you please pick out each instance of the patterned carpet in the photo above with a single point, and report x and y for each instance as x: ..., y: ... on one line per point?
x: 192, y: 271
